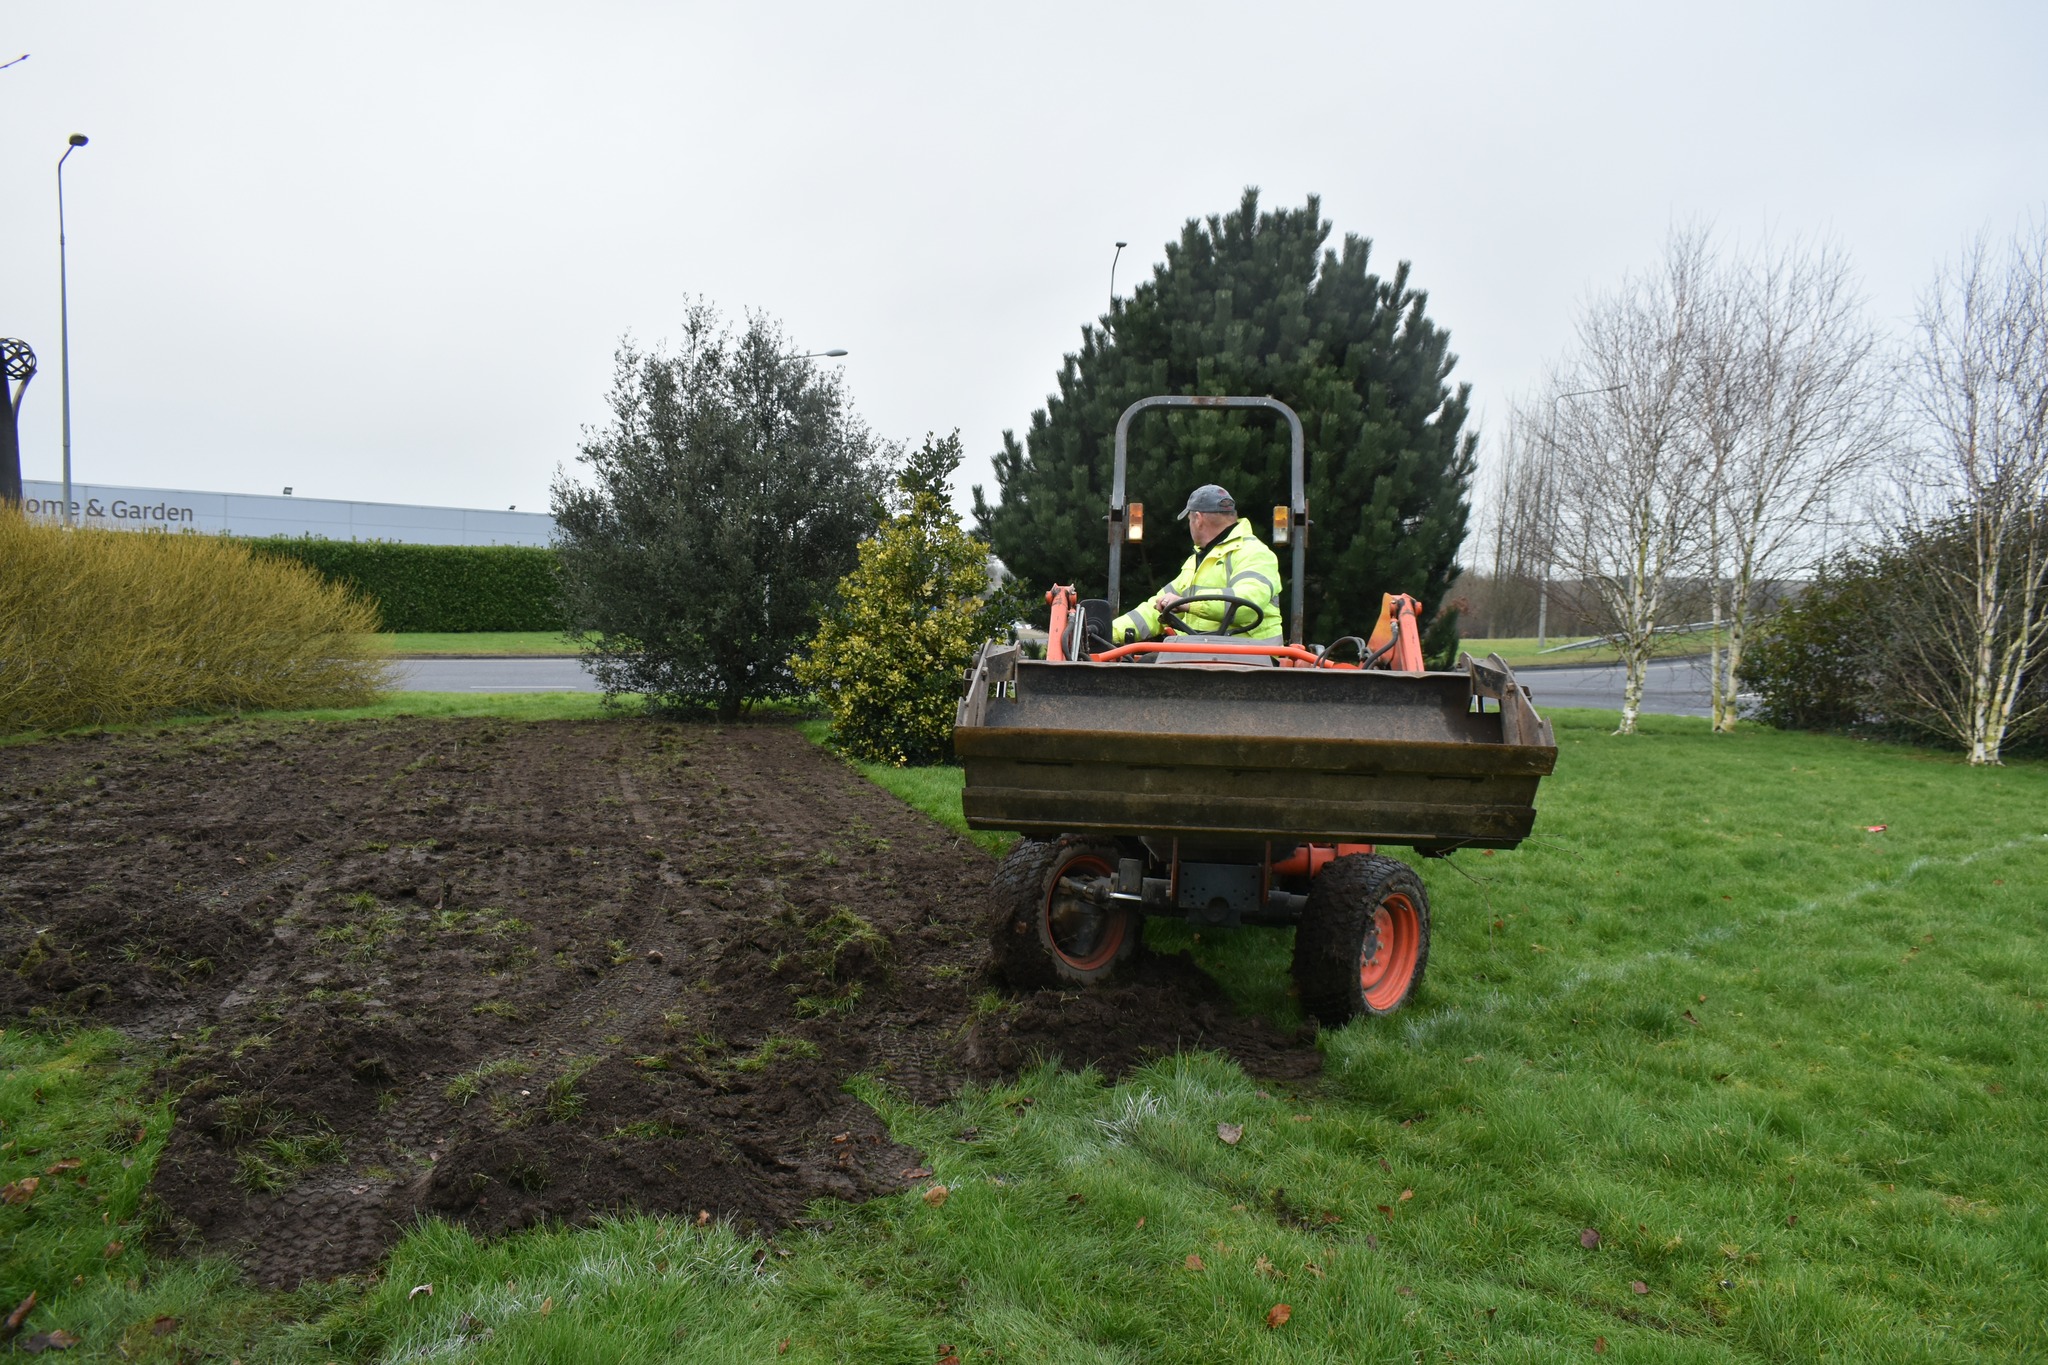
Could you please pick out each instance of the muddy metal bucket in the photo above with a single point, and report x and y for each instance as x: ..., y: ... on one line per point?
x: 1215, y: 751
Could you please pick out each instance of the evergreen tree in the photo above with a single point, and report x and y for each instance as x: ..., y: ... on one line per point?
x: 1252, y: 303
x: 908, y: 621
x: 888, y: 657
x: 730, y: 491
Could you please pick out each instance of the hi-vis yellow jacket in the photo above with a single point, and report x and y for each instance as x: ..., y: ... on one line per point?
x: 1236, y: 562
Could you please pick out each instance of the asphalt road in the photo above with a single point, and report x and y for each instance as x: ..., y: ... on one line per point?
x: 1673, y: 687
x: 494, y: 675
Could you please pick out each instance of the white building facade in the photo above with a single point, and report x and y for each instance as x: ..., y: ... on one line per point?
x: 249, y: 514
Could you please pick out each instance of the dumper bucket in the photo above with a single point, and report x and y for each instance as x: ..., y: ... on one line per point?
x: 1218, y: 751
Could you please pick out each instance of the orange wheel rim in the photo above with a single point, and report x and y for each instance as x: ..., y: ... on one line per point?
x: 1083, y: 936
x: 1384, y: 974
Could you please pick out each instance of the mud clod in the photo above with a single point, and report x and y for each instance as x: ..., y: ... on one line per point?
x: 505, y: 973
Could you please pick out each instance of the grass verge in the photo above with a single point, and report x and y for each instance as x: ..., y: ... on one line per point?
x: 1524, y: 652
x: 476, y: 644
x: 1709, y: 1071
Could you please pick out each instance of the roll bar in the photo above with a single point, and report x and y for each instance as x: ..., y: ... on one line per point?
x: 1297, y: 502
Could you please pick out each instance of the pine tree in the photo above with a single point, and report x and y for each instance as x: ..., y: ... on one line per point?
x: 1252, y: 303
x: 888, y: 656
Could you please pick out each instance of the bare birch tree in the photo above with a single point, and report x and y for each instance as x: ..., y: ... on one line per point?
x: 1516, y: 525
x: 1980, y: 387
x: 1792, y: 417
x: 1631, y: 473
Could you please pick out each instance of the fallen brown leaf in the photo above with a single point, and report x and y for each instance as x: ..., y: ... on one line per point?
x: 1304, y: 1118
x: 20, y: 1190
x: 1599, y: 1346
x: 1141, y: 1222
x: 1638, y: 1287
x: 703, y: 1217
x: 1387, y: 1209
x: 69, y: 1163
x: 918, y: 1173
x: 782, y: 1347
x: 1230, y: 1133
x: 1791, y: 1220
x: 162, y: 1325
x: 113, y: 1249
x: 948, y: 1356
x: 1312, y: 1268
x: 1690, y: 1019
x: 1589, y: 1238
x: 12, y: 1325
x: 547, y: 1305
x: 59, y: 1340
x: 1193, y: 1262
x: 1264, y: 1267
x: 1404, y: 1291
x: 1278, y: 1314
x: 418, y: 1290
x: 1406, y: 1195
x: 936, y: 1195
x: 1385, y: 1167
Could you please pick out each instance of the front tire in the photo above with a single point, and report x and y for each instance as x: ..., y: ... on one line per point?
x: 1043, y: 932
x: 1363, y: 941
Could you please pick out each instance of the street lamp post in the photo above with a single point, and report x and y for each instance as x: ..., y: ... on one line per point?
x: 1543, y: 585
x: 64, y: 321
x: 1112, y: 273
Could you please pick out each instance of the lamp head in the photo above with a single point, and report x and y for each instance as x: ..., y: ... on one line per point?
x: 835, y: 354
x: 79, y: 139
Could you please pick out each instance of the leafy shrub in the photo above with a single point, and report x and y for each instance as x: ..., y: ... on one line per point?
x: 728, y: 494
x: 888, y: 657
x: 436, y: 587
x: 1877, y: 645
x: 1813, y: 665
x: 98, y: 627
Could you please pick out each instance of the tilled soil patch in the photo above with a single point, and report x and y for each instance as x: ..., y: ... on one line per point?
x: 506, y: 971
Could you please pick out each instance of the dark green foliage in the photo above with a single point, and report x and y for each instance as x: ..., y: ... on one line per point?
x: 888, y: 658
x: 1251, y: 303
x: 436, y: 587
x: 1812, y: 665
x: 1872, y: 646
x: 732, y: 489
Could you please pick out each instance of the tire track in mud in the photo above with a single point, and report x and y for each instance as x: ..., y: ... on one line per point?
x: 504, y: 972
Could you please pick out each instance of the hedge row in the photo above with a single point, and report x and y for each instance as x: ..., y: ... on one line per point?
x: 436, y: 587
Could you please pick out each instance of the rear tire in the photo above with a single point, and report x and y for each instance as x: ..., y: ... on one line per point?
x: 1363, y: 941
x: 1043, y: 935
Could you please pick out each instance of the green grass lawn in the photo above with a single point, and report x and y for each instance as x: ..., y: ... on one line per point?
x: 443, y: 644
x: 1522, y: 651
x: 1705, y: 1072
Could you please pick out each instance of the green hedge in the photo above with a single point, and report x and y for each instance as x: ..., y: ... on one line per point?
x: 436, y: 587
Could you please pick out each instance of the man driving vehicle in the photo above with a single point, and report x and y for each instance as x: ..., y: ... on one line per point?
x: 1230, y: 559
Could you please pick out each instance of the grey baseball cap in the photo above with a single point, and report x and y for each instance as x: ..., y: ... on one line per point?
x: 1210, y: 497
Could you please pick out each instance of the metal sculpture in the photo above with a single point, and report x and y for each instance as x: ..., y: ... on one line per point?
x: 18, y: 364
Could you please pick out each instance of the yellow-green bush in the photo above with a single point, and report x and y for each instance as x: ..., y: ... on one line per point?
x: 888, y: 657
x: 98, y: 627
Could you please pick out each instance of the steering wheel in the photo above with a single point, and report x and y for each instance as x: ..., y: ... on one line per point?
x: 1234, y: 604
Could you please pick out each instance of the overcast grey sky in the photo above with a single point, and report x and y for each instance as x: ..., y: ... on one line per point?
x: 385, y: 251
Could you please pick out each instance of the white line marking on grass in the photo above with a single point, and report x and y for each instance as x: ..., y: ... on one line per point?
x: 1418, y: 1029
